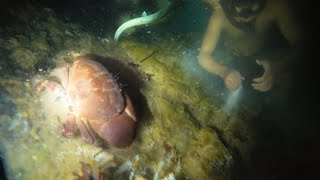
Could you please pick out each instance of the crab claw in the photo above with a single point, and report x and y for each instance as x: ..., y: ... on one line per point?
x: 120, y: 131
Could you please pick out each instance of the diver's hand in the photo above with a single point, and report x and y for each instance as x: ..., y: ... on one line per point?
x: 233, y: 79
x: 265, y: 82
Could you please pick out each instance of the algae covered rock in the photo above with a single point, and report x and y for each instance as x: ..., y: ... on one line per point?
x: 209, y: 158
x: 185, y: 117
x: 40, y: 44
x: 24, y: 58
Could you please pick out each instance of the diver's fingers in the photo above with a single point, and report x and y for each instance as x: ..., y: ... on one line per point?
x: 230, y: 85
x: 258, y: 86
x: 263, y: 87
x: 233, y: 80
x: 260, y: 79
x: 265, y: 64
x: 265, y: 77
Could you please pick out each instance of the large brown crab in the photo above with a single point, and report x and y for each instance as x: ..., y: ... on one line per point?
x: 98, y: 107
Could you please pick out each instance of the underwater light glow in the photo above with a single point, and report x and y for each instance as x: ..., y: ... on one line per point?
x: 232, y: 100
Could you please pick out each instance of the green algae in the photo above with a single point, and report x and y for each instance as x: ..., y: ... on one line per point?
x: 187, y: 114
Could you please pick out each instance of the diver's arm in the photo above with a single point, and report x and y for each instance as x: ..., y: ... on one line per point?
x: 209, y: 43
x: 291, y: 32
x: 283, y: 60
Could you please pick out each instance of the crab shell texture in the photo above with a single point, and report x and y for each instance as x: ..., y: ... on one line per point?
x: 99, y: 105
